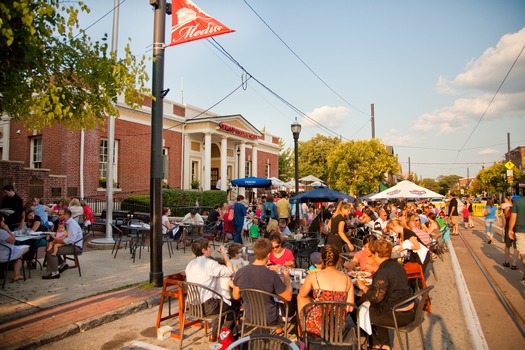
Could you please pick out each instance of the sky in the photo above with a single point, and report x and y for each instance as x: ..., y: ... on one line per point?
x: 447, y: 78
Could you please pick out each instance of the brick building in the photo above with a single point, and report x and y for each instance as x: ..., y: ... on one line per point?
x: 198, y: 146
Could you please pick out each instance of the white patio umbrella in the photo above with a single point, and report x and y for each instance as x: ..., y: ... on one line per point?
x: 317, y: 184
x: 310, y: 178
x: 278, y: 183
x: 291, y: 183
x: 406, y: 189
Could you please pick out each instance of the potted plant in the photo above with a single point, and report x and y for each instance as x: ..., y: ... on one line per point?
x: 195, y: 184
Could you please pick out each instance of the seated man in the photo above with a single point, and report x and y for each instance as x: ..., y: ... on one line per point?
x: 74, y: 234
x: 193, y: 218
x: 258, y: 276
x: 283, y: 228
x: 208, y: 273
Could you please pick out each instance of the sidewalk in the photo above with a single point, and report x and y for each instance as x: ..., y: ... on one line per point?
x: 36, y: 312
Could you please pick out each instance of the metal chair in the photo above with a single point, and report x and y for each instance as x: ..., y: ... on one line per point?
x: 263, y: 342
x: 121, y: 238
x: 332, y: 328
x: 8, y: 262
x: 74, y: 258
x: 256, y: 302
x: 193, y: 308
x: 420, y: 298
x: 308, y: 246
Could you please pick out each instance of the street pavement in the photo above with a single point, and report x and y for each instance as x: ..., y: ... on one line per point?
x: 111, y: 307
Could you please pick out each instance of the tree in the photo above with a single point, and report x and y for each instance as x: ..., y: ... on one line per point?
x: 493, y: 180
x: 286, y: 162
x: 359, y: 167
x: 447, y: 182
x: 313, y: 154
x: 430, y: 184
x: 50, y: 75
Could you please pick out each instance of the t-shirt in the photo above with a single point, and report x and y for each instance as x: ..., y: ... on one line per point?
x: 213, y: 216
x: 492, y: 212
x: 453, y: 205
x: 283, y: 208
x: 254, y: 231
x: 262, y: 278
x: 239, y: 213
x: 14, y: 203
x: 287, y: 256
x: 519, y: 208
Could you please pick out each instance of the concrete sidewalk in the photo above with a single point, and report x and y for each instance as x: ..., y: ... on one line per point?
x: 37, y: 312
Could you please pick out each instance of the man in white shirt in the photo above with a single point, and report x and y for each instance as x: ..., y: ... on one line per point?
x: 73, y: 241
x: 383, y: 219
x: 207, y: 272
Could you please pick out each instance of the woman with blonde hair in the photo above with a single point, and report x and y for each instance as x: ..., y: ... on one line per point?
x: 409, y: 241
x: 77, y: 212
x: 337, y: 235
x: 272, y: 228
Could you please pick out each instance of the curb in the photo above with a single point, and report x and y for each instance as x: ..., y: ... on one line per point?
x: 87, y: 324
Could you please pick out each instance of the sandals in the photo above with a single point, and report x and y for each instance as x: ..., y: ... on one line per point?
x: 506, y: 264
x: 17, y: 278
x: 514, y: 267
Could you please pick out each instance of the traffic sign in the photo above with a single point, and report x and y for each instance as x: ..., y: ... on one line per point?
x: 509, y: 165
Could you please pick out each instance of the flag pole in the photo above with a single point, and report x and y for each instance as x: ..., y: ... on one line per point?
x: 156, y: 275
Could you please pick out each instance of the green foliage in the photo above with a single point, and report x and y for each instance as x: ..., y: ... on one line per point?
x: 430, y: 184
x: 359, y: 167
x: 136, y: 203
x: 313, y: 154
x: 50, y: 75
x: 446, y: 183
x: 493, y: 180
x: 286, y: 162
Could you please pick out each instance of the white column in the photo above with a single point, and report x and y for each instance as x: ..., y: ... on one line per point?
x: 224, y: 163
x: 206, y: 178
x: 7, y: 136
x: 242, y: 165
x: 187, y: 166
x: 254, y: 160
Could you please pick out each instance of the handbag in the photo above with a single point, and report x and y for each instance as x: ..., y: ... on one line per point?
x: 486, y: 211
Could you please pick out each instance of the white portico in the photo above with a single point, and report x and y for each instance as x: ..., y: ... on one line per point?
x: 222, y: 148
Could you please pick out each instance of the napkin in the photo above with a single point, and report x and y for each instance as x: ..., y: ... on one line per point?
x: 364, y: 317
x: 421, y: 252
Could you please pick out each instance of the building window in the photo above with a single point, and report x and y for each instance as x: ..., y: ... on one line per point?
x: 248, y: 169
x: 36, y: 152
x: 267, y: 171
x: 194, y: 170
x: 165, y: 164
x: 229, y: 172
x: 103, y: 160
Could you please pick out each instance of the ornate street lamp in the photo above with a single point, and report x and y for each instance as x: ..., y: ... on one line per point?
x: 296, y: 130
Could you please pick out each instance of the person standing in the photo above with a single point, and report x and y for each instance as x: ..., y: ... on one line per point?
x: 517, y: 228
x: 453, y: 214
x: 490, y: 211
x: 239, y: 212
x: 283, y: 208
x: 15, y: 203
x: 509, y: 243
x: 73, y: 241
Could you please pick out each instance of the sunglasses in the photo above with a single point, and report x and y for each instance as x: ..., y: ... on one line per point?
x: 277, y: 246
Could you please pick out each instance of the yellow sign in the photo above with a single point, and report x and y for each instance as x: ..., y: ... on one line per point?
x: 509, y: 165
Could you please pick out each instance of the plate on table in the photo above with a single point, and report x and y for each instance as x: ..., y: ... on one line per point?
x: 361, y: 274
x: 7, y: 211
x: 36, y: 233
x: 368, y: 281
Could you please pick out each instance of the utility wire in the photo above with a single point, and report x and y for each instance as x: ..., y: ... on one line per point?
x: 303, y: 62
x: 100, y: 19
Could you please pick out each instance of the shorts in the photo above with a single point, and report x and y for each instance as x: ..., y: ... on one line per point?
x: 454, y: 219
x: 509, y: 243
x: 465, y: 219
x: 520, y: 241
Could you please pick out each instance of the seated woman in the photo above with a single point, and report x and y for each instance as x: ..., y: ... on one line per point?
x: 410, y: 242
x: 363, y: 258
x: 271, y: 228
x: 325, y: 284
x: 414, y: 224
x: 9, y: 239
x: 389, y: 287
x: 280, y: 256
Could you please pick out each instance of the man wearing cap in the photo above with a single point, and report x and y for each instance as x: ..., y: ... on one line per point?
x: 517, y: 227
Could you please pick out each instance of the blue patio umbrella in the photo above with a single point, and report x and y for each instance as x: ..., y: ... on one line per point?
x: 321, y: 194
x: 252, y: 182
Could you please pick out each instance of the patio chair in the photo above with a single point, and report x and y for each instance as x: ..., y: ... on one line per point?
x: 5, y: 264
x: 255, y: 299
x: 308, y: 246
x: 419, y: 297
x: 75, y: 254
x: 415, y: 274
x: 119, y: 237
x: 193, y: 308
x: 263, y: 342
x: 333, y: 325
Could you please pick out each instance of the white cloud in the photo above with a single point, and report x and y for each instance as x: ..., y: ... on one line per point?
x: 488, y: 151
x: 478, y: 85
x: 331, y: 117
x: 394, y: 137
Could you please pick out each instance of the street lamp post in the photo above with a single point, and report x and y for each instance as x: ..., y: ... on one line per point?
x: 296, y: 130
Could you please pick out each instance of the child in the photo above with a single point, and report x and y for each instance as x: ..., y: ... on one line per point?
x: 310, y: 216
x: 465, y: 214
x: 61, y: 233
x: 235, y: 253
x: 254, y: 229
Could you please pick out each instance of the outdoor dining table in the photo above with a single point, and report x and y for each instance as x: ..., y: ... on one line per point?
x: 138, y: 233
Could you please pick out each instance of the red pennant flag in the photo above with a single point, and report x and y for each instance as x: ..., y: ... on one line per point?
x: 191, y: 23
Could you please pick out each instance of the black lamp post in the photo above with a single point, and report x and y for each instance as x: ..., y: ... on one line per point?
x: 296, y: 130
